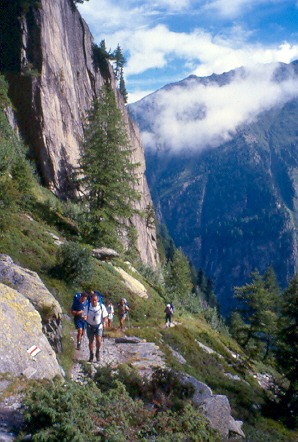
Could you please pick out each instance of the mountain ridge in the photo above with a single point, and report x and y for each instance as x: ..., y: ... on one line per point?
x: 232, y: 208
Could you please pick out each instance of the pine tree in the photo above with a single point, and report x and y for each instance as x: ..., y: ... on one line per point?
x: 122, y: 87
x: 108, y: 175
x: 258, y: 311
x: 274, y: 304
x: 178, y: 277
x: 119, y: 62
x: 287, y: 349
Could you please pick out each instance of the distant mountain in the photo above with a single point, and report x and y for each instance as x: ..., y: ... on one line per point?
x: 228, y: 194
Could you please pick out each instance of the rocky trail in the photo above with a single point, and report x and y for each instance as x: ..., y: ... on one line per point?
x: 120, y: 349
x: 144, y: 356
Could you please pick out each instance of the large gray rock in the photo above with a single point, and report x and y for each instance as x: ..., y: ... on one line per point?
x: 31, y: 286
x: 20, y: 330
x: 202, y: 391
x: 218, y: 411
x: 216, y: 408
x: 105, y: 254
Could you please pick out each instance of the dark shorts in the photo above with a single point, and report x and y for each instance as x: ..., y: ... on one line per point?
x: 122, y: 315
x: 94, y: 330
x: 80, y: 323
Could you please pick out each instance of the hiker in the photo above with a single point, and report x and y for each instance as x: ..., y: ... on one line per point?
x: 123, y: 310
x: 95, y: 314
x: 169, y: 313
x: 110, y: 310
x: 77, y: 309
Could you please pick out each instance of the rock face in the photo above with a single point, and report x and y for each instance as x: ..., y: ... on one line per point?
x: 30, y: 286
x: 52, y: 83
x: 21, y: 329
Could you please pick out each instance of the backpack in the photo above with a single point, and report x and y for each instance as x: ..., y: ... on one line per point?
x: 76, y: 300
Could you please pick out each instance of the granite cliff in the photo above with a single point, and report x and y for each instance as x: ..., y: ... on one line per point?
x: 47, y: 60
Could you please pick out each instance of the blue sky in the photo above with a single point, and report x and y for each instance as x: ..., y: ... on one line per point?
x: 165, y: 41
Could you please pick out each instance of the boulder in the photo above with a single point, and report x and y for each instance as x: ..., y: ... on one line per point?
x: 24, y: 349
x: 235, y: 429
x: 202, y: 391
x: 132, y: 283
x: 104, y: 254
x: 216, y: 408
x: 30, y: 285
x: 218, y: 411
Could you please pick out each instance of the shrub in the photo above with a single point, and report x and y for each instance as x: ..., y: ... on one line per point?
x: 75, y: 262
x: 72, y: 412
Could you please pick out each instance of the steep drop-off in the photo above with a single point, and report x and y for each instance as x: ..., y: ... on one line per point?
x: 47, y: 59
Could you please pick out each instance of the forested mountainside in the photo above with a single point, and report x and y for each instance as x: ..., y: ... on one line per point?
x: 54, y: 71
x: 232, y: 208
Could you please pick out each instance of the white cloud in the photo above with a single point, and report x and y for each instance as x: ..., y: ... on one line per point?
x: 201, y: 116
x: 138, y: 95
x: 150, y: 45
x: 206, y: 54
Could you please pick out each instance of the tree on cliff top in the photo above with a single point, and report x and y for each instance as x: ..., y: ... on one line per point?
x: 108, y: 174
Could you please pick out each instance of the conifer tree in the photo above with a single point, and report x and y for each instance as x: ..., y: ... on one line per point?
x: 119, y: 71
x: 122, y: 86
x: 258, y: 309
x: 178, y: 276
x: 287, y: 349
x: 119, y: 61
x: 108, y: 175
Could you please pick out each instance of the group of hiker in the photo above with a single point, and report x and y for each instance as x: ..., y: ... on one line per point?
x: 92, y: 315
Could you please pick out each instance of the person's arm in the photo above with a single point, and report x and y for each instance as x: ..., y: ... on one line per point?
x: 85, y: 312
x: 104, y: 315
x: 77, y: 312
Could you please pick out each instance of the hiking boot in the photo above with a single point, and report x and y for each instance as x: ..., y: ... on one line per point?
x: 79, y: 346
x: 97, y: 355
x: 91, y: 357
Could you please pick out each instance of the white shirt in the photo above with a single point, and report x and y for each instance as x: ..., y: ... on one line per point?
x: 95, y: 315
x: 110, y: 310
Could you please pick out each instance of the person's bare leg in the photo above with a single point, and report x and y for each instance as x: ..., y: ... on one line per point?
x: 79, y: 337
x: 91, y: 348
x: 98, y: 345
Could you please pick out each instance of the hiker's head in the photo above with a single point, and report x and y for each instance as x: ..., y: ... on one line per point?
x: 83, y: 296
x: 94, y: 300
x: 123, y: 300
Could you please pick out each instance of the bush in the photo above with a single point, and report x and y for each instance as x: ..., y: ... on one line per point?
x: 75, y: 263
x: 72, y: 412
